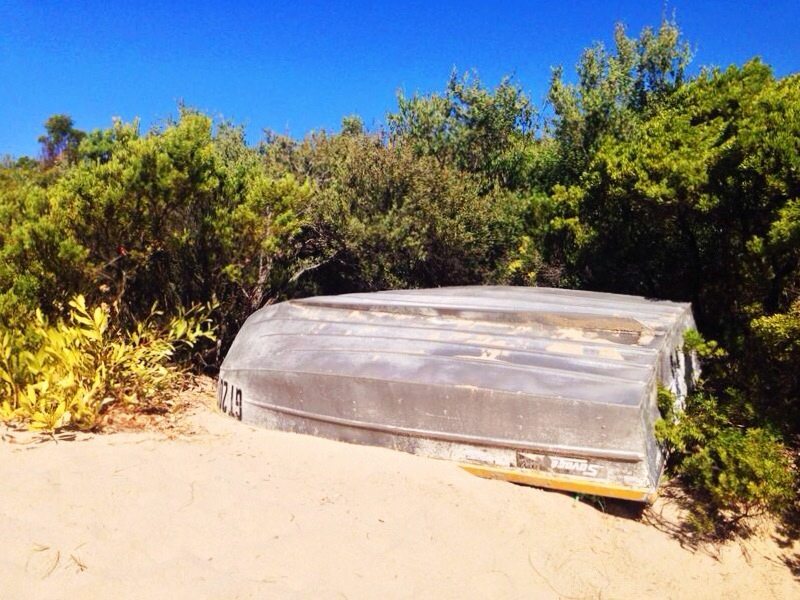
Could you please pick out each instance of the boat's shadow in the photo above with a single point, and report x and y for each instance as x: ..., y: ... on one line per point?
x: 625, y: 509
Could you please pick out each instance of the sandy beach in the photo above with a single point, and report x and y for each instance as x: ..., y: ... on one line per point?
x: 212, y: 508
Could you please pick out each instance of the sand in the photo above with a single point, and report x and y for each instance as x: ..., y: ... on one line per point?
x: 217, y: 509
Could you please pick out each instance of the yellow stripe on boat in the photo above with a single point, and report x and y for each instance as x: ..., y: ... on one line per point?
x: 564, y: 483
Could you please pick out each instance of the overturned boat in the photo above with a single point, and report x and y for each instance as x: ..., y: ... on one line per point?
x: 549, y: 387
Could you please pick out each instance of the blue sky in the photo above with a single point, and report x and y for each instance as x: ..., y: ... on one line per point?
x: 296, y: 66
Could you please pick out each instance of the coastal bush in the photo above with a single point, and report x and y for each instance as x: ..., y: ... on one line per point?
x: 67, y: 372
x: 381, y: 216
x: 732, y: 472
x: 733, y: 467
x: 694, y: 199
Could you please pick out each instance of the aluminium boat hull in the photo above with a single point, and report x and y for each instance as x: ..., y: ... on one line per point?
x: 555, y: 388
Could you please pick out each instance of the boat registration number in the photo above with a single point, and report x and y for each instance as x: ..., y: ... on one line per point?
x: 229, y: 399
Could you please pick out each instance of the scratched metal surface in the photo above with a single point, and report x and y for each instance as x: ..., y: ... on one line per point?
x: 480, y: 374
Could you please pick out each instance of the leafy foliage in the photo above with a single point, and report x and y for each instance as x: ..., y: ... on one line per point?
x: 776, y: 346
x: 384, y: 217
x: 693, y: 341
x: 734, y: 472
x: 483, y: 132
x: 66, y: 373
x: 613, y: 88
x: 61, y: 140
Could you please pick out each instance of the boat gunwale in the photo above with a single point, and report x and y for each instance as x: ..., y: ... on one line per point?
x: 537, y: 289
x: 524, y: 294
x: 456, y: 303
x: 627, y: 456
x: 563, y: 483
x: 456, y: 311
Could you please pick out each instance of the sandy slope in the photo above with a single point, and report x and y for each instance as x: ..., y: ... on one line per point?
x: 234, y: 512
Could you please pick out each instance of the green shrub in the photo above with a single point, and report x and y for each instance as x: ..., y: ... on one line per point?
x: 65, y: 373
x: 775, y: 344
x: 693, y: 341
x: 744, y: 471
x: 732, y: 472
x: 379, y: 216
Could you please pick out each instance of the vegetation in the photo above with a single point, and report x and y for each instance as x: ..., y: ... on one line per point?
x: 732, y: 472
x: 641, y: 177
x: 65, y: 373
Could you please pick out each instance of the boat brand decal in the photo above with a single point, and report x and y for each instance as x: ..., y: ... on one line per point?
x: 229, y: 399
x: 573, y: 466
